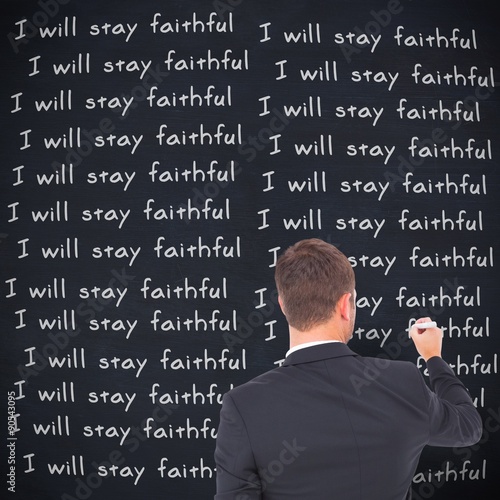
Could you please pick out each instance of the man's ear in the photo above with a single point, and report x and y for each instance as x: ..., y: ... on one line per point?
x: 345, y: 306
x: 280, y: 302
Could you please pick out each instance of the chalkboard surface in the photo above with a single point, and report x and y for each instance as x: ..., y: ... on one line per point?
x: 158, y: 156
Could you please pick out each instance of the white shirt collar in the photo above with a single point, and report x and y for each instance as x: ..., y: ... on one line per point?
x: 309, y: 344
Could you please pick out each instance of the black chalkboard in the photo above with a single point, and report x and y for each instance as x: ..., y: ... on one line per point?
x: 158, y: 156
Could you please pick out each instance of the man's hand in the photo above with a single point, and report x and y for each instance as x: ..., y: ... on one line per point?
x: 428, y: 342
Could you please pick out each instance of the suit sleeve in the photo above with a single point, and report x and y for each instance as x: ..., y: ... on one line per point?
x: 454, y: 420
x: 237, y: 475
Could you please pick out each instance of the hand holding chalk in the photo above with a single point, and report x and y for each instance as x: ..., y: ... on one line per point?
x: 427, y: 338
x: 422, y: 326
x: 425, y: 325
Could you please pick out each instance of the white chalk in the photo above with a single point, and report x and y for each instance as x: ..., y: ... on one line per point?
x: 423, y: 326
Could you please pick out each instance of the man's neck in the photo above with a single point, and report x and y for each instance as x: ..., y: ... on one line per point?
x: 321, y: 333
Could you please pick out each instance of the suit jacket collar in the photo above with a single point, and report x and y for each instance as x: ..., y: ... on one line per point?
x: 318, y: 353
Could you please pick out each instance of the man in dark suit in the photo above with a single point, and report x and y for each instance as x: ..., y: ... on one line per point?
x: 330, y: 424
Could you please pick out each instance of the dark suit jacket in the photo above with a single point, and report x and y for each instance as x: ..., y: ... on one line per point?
x: 330, y: 424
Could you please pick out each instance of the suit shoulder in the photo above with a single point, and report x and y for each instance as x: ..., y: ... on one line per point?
x: 256, y: 384
x: 392, y: 367
x: 396, y: 364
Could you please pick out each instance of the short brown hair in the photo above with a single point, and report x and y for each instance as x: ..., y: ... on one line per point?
x: 311, y: 276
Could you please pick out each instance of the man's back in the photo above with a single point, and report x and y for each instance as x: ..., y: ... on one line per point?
x: 331, y: 424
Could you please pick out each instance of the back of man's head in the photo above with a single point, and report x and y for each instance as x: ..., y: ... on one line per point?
x: 311, y: 276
